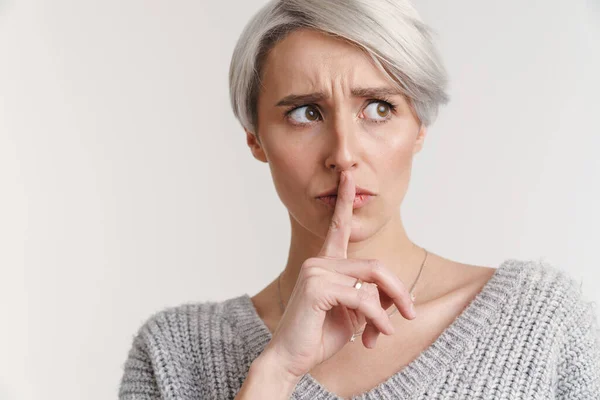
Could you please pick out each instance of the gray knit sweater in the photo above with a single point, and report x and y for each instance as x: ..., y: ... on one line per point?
x: 528, y: 334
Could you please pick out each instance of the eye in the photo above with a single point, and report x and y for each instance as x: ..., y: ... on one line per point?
x: 304, y: 115
x: 378, y: 111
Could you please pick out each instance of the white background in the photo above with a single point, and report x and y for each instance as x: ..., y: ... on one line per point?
x: 126, y: 184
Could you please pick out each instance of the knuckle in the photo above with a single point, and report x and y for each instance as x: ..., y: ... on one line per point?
x: 373, y: 292
x: 335, y: 223
x: 365, y: 293
x: 310, y: 271
x: 376, y: 266
x: 309, y: 262
x: 362, y: 296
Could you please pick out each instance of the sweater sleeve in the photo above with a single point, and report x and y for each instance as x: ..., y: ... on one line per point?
x: 138, y: 381
x: 579, y: 368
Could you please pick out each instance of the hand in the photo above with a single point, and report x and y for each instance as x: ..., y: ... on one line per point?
x: 325, y: 309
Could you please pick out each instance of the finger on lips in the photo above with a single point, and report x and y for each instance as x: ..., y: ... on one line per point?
x: 333, y: 257
x: 338, y: 235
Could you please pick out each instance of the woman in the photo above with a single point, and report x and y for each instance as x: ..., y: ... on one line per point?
x: 337, y: 96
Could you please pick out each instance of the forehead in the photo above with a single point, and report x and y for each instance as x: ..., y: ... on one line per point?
x: 307, y: 60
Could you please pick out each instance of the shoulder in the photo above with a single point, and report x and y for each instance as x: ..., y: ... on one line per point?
x: 569, y: 316
x: 190, y: 321
x: 540, y: 276
x: 550, y: 311
x: 555, y: 296
x: 176, y: 349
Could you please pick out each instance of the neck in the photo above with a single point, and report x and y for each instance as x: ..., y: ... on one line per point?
x: 390, y: 245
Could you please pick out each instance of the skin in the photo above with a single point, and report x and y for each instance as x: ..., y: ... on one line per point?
x: 306, y: 152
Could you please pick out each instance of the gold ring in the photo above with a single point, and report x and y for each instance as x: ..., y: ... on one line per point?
x: 358, y: 283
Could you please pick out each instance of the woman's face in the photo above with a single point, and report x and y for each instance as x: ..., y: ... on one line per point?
x: 324, y: 108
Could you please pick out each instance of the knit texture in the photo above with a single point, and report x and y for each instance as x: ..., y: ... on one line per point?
x: 528, y: 334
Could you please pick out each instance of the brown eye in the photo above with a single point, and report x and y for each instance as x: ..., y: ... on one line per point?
x: 311, y: 114
x: 383, y: 110
x: 304, y: 115
x: 378, y: 111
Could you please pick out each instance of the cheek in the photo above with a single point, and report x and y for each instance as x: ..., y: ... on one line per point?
x: 290, y: 172
x: 395, y: 166
x: 397, y: 154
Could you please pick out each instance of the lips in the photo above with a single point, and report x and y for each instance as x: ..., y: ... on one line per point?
x: 333, y: 192
x: 359, y: 200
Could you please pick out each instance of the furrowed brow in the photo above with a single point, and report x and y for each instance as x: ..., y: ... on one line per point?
x: 295, y: 99
x: 375, y: 92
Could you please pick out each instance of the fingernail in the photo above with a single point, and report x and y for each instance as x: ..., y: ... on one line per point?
x: 392, y: 329
x: 343, y: 177
x: 412, y: 310
x: 374, y: 342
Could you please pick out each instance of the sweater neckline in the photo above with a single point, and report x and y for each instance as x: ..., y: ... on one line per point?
x: 453, y: 343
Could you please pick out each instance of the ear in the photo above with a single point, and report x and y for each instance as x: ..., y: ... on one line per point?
x: 255, y: 146
x: 420, y: 140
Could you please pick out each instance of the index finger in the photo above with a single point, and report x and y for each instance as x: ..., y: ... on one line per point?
x: 336, y: 241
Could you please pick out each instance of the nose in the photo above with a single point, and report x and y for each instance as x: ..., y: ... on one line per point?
x: 343, y: 147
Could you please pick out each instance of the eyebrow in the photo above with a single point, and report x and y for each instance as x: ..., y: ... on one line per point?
x: 377, y: 92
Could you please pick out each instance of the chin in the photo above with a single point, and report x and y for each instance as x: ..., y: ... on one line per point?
x: 362, y: 231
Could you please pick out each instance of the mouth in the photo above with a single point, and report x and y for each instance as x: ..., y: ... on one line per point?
x: 359, y: 200
x: 333, y: 192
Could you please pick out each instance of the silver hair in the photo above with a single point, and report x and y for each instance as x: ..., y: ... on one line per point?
x: 390, y: 31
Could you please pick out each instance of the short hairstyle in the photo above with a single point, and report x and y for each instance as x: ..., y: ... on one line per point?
x: 391, y: 32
